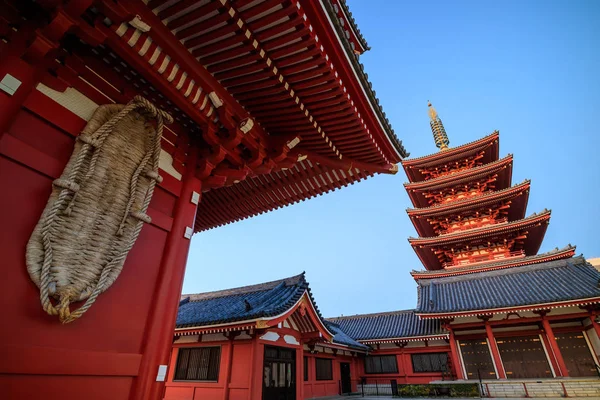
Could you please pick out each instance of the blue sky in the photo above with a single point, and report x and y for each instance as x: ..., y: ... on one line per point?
x: 526, y: 68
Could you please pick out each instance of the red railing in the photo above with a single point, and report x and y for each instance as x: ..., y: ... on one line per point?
x: 473, y: 224
x: 481, y: 258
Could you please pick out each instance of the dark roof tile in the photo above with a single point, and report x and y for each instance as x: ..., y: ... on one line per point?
x: 548, y: 282
x: 396, y: 324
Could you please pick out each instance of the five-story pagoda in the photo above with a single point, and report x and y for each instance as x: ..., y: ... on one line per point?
x: 465, y: 210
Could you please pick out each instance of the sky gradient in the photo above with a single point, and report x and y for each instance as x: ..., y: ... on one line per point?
x: 526, y: 68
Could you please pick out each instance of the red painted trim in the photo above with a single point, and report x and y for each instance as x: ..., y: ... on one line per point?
x: 453, y: 151
x: 516, y: 263
x: 480, y: 232
x: 451, y: 179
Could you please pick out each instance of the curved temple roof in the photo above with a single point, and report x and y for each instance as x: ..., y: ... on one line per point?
x: 533, y: 286
x: 248, y: 303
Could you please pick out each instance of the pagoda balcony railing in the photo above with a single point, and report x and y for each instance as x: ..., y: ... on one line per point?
x: 483, y: 258
x: 474, y: 224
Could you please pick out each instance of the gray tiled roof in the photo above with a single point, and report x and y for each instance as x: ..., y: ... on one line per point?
x: 251, y: 302
x: 549, y: 282
x: 396, y: 324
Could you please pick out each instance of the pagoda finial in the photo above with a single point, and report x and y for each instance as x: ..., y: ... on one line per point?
x: 437, y: 128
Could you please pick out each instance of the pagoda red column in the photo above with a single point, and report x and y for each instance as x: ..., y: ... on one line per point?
x: 595, y: 324
x: 455, y: 355
x: 495, y: 352
x: 554, y: 348
x: 161, y: 322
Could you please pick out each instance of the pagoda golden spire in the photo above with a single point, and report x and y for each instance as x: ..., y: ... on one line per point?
x: 437, y: 128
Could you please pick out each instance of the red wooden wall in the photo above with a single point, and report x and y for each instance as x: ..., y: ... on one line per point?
x: 98, y: 356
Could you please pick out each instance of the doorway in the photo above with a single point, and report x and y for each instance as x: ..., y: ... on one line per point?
x: 279, y: 374
x: 345, y: 378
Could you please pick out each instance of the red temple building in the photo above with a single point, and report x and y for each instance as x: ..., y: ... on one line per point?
x: 489, y: 309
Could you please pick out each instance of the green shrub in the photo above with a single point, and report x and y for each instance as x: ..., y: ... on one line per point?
x: 455, y: 390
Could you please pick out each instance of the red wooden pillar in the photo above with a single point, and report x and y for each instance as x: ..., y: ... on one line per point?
x: 161, y: 322
x: 595, y: 324
x: 458, y: 369
x: 562, y: 367
x: 495, y: 352
x: 300, y: 372
x: 228, y: 366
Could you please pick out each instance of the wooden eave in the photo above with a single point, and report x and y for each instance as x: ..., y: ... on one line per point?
x: 518, y: 195
x: 494, y: 265
x: 502, y: 167
x: 489, y: 143
x: 277, y: 50
x: 404, y: 339
x: 263, y: 60
x: 535, y: 225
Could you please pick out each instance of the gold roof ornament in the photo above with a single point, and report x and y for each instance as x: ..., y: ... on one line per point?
x: 437, y: 128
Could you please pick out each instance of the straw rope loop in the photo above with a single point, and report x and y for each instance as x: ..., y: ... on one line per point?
x: 70, y: 188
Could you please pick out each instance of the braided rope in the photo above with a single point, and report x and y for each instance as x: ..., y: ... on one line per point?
x: 69, y: 190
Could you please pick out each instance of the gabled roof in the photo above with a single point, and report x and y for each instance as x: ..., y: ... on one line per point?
x: 250, y: 303
x: 556, y: 254
x: 539, y: 286
x: 401, y: 325
x: 228, y: 306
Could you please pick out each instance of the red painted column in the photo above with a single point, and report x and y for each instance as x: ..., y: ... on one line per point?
x: 595, y: 325
x: 228, y: 366
x: 458, y: 369
x: 495, y: 351
x: 300, y: 372
x: 555, y: 349
x: 161, y: 322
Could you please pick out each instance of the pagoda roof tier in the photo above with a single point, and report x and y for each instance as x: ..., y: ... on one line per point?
x: 489, y: 144
x: 518, y: 195
x: 556, y: 254
x: 268, y: 57
x: 502, y: 167
x: 553, y: 284
x: 535, y: 224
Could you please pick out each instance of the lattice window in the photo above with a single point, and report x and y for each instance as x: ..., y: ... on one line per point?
x: 381, y: 365
x: 430, y: 362
x: 198, y: 364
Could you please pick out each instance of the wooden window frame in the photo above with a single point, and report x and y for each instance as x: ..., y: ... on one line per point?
x: 217, y: 367
x: 378, y: 358
x: 412, y: 359
x: 317, y: 377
